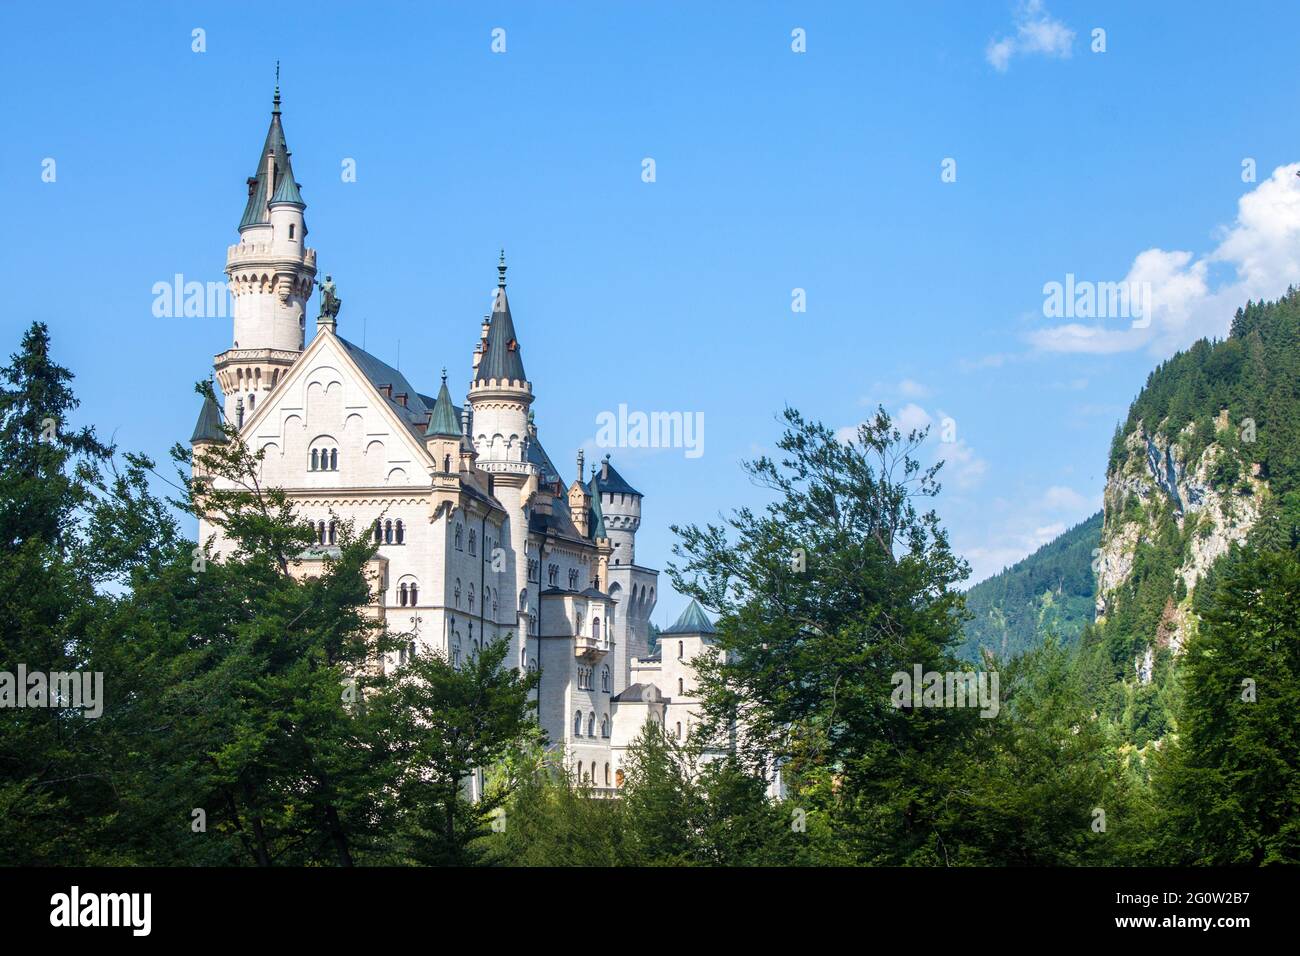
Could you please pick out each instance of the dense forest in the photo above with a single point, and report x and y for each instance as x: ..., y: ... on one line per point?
x: 243, y: 721
x: 1050, y: 592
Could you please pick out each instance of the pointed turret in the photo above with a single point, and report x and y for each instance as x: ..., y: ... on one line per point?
x: 208, y: 427
x: 501, y: 359
x: 442, y: 421
x: 500, y: 394
x: 273, y: 171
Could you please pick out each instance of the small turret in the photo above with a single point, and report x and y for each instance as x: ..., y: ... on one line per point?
x: 620, y: 506
x: 580, y: 501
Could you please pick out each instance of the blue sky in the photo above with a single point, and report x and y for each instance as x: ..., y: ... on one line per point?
x: 775, y: 170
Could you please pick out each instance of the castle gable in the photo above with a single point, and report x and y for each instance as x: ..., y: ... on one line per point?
x: 328, y: 424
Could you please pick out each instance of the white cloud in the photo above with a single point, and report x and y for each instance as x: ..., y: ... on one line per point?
x: 1262, y: 249
x: 1037, y: 32
x: 911, y: 416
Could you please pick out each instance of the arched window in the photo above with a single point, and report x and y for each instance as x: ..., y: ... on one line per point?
x: 455, y: 650
x: 473, y: 541
x: 577, y: 723
x: 604, y: 725
x: 315, y: 459
x: 496, y: 595
x: 388, y: 532
x: 680, y: 691
x: 591, y: 726
x: 399, y: 532
x: 320, y: 532
x: 604, y: 678
x: 460, y: 538
x: 595, y: 629
x: 573, y: 579
x: 471, y: 597
x: 458, y: 592
x: 681, y: 649
x: 523, y: 600
x: 401, y: 595
x: 552, y: 572
x: 414, y: 592
x: 334, y: 532
x: 578, y: 629
x: 679, y: 730
x: 379, y: 532
x: 334, y: 459
x: 252, y: 401
x: 607, y: 775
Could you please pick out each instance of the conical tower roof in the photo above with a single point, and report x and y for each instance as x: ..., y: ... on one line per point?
x: 208, y: 427
x: 260, y: 190
x: 501, y: 359
x: 442, y: 420
x: 692, y: 621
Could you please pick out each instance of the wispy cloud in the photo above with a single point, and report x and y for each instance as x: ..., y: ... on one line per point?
x: 1037, y: 33
x: 1261, y: 251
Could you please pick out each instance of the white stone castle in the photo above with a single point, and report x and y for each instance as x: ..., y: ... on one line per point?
x: 478, y: 536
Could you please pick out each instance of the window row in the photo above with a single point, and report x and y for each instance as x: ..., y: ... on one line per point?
x: 389, y: 532
x: 591, y: 724
x: 460, y: 539
x: 589, y: 776
x: 324, y: 459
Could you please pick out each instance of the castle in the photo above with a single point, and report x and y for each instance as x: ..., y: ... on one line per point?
x: 477, y: 536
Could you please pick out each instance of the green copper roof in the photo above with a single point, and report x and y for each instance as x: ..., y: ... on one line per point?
x: 692, y: 621
x: 255, y: 212
x: 501, y: 359
x: 597, y: 515
x: 288, y: 192
x: 442, y: 420
x: 208, y: 427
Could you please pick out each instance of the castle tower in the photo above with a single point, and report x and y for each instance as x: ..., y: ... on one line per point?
x: 498, y: 401
x: 500, y: 394
x: 619, y: 506
x: 270, y: 272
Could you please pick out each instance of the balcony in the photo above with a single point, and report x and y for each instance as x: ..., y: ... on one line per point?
x: 589, y: 648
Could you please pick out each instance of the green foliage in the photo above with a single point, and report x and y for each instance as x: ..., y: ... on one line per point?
x: 1051, y: 591
x: 1228, y: 790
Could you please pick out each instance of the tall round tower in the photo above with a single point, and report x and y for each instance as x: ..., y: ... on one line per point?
x: 271, y: 272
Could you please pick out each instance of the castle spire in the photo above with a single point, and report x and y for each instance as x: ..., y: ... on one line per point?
x: 501, y: 359
x: 275, y: 102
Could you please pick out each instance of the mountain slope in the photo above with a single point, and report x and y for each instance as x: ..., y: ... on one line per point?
x: 1051, y: 591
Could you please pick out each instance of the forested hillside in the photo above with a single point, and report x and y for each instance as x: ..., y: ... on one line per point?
x: 1051, y: 591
